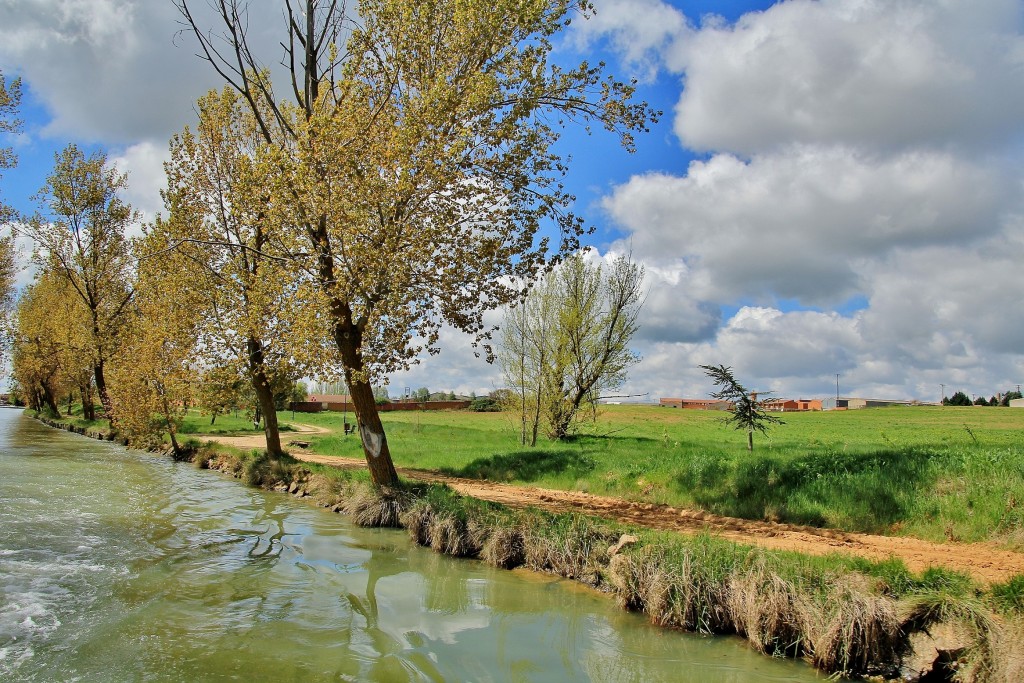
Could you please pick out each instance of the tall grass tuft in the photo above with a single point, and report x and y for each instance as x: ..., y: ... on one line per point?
x: 852, y: 628
x: 369, y: 506
x: 570, y: 545
x: 504, y: 547
x: 768, y: 610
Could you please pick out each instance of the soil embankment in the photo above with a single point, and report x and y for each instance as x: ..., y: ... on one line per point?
x: 986, y: 562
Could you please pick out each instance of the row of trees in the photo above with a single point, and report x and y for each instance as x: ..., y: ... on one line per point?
x: 959, y: 398
x: 400, y: 182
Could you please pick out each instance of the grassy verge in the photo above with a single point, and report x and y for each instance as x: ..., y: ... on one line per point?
x: 934, y: 473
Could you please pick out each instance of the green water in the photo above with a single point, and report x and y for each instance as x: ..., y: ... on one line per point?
x: 117, y: 565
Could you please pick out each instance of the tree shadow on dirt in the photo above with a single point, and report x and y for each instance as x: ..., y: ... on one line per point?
x: 856, y: 491
x: 526, y: 465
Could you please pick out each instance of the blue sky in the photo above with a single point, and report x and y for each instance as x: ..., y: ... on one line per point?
x: 834, y: 186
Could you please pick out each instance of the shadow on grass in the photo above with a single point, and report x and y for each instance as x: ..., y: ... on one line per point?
x: 857, y: 491
x: 525, y: 465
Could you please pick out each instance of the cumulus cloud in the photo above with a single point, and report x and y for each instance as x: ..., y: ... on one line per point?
x: 881, y: 75
x: 144, y: 164
x: 113, y: 71
x: 799, y: 224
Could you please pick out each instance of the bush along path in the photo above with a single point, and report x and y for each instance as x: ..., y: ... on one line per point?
x: 845, y: 614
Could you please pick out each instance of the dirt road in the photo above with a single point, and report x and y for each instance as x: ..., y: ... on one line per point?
x: 986, y: 562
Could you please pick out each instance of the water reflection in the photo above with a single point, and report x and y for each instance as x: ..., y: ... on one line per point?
x: 120, y: 566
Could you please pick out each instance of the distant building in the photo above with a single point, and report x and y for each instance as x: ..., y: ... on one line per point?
x: 1017, y: 402
x: 858, y: 403
x: 695, y: 404
x: 791, y: 405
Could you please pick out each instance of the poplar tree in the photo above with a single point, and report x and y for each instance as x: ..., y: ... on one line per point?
x: 230, y: 253
x: 417, y: 143
x: 10, y: 99
x: 568, y: 343
x: 81, y: 238
x: 52, y: 344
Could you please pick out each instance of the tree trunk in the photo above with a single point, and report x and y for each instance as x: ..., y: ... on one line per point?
x: 88, y: 409
x: 101, y: 389
x: 264, y: 397
x: 49, y: 401
x: 371, y: 431
x: 171, y: 428
x: 750, y: 440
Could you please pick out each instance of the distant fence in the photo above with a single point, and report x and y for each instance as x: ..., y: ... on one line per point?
x: 318, y: 407
x: 424, y: 405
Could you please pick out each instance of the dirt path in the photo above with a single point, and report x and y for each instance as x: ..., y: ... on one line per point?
x: 984, y: 561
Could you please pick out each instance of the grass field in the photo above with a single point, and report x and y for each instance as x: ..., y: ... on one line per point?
x: 934, y: 473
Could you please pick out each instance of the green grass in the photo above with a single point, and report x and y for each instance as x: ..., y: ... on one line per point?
x: 935, y: 473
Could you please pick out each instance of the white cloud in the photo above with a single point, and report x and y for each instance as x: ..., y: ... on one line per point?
x: 639, y: 29
x: 114, y: 71
x: 882, y: 75
x: 801, y: 224
x: 144, y: 164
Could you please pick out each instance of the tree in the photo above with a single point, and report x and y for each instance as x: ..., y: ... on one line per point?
x: 980, y: 401
x: 569, y: 342
x: 10, y: 99
x: 82, y: 239
x: 746, y: 412
x: 958, y: 399
x: 220, y: 390
x: 52, y: 341
x: 417, y: 149
x: 154, y: 368
x: 224, y: 232
x: 421, y: 394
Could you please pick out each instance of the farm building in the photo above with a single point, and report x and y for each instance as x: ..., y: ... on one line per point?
x: 695, y: 404
x: 1017, y: 402
x: 790, y: 405
x: 857, y: 403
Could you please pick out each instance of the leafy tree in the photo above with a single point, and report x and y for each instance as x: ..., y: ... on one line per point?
x: 421, y: 394
x: 417, y: 149
x: 569, y: 342
x: 1009, y: 396
x: 299, y: 392
x: 223, y: 232
x: 747, y: 412
x: 221, y: 390
x: 10, y: 99
x: 82, y: 239
x: 154, y: 369
x: 980, y: 401
x: 52, y: 343
x: 958, y: 399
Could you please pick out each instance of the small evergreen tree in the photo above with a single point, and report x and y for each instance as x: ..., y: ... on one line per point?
x: 747, y: 411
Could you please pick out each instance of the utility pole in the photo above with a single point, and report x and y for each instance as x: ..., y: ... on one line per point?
x: 837, y: 390
x: 943, y: 391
